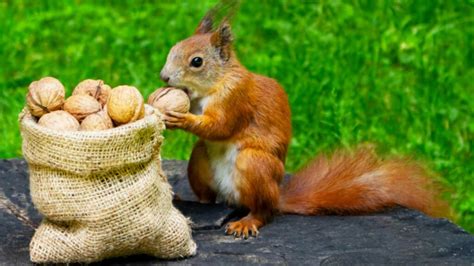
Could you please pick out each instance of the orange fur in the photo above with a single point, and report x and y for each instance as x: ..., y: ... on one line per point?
x: 244, y: 129
x: 259, y: 174
x: 359, y: 183
x: 260, y: 127
x: 200, y: 176
x: 246, y: 226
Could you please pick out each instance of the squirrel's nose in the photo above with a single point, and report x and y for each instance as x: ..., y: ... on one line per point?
x: 164, y: 77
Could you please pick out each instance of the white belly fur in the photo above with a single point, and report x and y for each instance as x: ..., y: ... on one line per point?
x: 222, y: 156
x: 198, y: 105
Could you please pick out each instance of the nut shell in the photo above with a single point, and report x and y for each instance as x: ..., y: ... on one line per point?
x: 59, y: 120
x: 125, y: 105
x: 170, y: 99
x: 81, y: 106
x: 95, y: 88
x: 97, y: 121
x: 44, y: 96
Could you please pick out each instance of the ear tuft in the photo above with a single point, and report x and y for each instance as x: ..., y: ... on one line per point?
x: 205, y: 25
x: 222, y: 39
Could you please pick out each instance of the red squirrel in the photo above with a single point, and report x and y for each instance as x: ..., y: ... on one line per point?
x: 243, y: 123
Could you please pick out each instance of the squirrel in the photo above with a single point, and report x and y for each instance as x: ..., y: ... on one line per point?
x: 243, y: 124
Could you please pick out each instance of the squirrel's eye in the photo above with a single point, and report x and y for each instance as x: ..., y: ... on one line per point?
x: 196, y: 62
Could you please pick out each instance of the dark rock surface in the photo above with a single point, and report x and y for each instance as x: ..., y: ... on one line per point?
x: 398, y: 236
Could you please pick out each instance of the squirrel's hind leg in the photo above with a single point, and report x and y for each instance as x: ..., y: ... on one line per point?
x: 257, y: 176
x: 200, y: 175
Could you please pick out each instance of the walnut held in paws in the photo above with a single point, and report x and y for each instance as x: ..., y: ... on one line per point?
x: 59, y: 120
x: 97, y: 121
x: 95, y: 88
x: 125, y: 105
x: 170, y: 99
x: 44, y: 96
x: 81, y: 106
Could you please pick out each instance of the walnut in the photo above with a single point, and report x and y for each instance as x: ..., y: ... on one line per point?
x: 125, y: 105
x: 95, y: 88
x: 59, y: 120
x: 44, y: 96
x: 81, y: 106
x: 170, y: 99
x: 97, y: 121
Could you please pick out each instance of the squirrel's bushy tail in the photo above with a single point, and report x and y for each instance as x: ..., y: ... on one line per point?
x: 357, y: 183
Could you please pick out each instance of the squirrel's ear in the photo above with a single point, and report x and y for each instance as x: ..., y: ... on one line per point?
x: 204, y: 26
x: 222, y: 40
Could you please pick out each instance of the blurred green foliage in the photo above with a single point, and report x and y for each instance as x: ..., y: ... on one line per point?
x: 395, y: 73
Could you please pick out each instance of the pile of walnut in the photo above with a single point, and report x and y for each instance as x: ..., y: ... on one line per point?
x: 94, y: 105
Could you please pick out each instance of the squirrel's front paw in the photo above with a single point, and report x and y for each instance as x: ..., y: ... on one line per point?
x: 178, y: 120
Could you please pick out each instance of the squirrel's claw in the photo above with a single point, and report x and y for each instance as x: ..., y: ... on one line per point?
x: 254, y: 231
x: 175, y: 119
x: 242, y: 228
x: 174, y: 115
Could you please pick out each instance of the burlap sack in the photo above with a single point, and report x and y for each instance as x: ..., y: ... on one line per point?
x: 102, y: 194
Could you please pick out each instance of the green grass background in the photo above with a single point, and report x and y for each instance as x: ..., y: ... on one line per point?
x: 395, y: 73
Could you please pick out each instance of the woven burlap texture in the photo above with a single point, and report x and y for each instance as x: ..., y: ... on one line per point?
x: 102, y: 194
